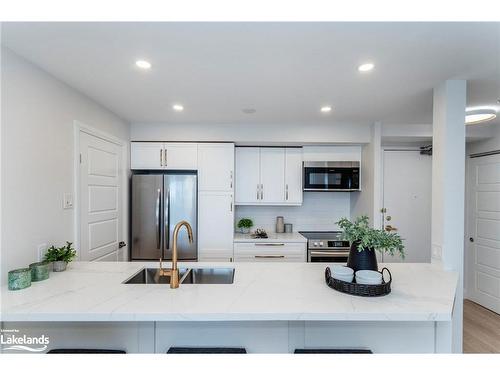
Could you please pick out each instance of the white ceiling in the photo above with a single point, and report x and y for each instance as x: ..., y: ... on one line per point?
x: 286, y: 71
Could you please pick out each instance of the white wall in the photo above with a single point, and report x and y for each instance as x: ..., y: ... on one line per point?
x: 253, y: 134
x: 319, y: 212
x: 368, y: 200
x: 37, y: 156
x: 491, y: 144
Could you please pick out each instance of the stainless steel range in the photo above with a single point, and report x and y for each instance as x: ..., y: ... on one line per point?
x: 326, y: 247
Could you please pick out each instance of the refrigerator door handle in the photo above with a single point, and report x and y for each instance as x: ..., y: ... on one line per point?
x: 167, y: 220
x: 158, y: 229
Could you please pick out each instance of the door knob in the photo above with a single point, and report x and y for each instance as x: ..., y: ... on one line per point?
x: 121, y: 244
x: 471, y: 239
x: 388, y: 218
x: 390, y: 228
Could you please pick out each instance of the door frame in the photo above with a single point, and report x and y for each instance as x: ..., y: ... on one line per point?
x: 79, y: 127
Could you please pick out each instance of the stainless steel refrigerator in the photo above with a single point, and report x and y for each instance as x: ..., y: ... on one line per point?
x: 159, y: 201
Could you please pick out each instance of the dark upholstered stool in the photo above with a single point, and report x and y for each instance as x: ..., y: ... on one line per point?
x: 86, y: 351
x: 205, y: 350
x: 333, y: 351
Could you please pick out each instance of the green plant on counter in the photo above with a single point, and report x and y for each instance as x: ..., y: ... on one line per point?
x: 60, y: 254
x: 359, y: 232
x: 245, y: 223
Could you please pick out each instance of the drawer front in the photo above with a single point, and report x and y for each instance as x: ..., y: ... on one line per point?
x: 269, y: 252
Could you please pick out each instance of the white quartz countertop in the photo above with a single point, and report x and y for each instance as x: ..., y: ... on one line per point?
x: 93, y: 291
x: 273, y: 238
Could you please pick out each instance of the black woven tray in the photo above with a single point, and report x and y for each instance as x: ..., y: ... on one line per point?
x: 363, y: 290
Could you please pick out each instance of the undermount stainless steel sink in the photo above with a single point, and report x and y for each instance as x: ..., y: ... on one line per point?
x: 151, y: 276
x: 187, y: 276
x: 209, y: 276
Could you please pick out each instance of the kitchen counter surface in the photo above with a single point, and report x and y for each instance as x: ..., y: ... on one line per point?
x: 273, y: 237
x: 93, y: 291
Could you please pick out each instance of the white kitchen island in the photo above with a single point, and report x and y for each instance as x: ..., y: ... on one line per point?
x: 270, y: 308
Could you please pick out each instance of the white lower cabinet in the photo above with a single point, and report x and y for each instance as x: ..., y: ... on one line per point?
x: 269, y: 252
x: 215, y: 226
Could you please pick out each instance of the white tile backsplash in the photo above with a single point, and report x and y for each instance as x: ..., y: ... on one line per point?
x: 319, y: 212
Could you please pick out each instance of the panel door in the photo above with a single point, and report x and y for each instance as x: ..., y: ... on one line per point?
x: 181, y: 156
x: 293, y: 176
x: 216, y: 225
x: 272, y: 175
x: 247, y: 173
x: 100, y: 189
x: 216, y: 166
x: 146, y: 155
x: 407, y: 194
x: 483, y: 268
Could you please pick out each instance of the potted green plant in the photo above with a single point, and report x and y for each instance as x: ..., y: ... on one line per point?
x: 365, y: 240
x: 244, y: 225
x: 60, y: 256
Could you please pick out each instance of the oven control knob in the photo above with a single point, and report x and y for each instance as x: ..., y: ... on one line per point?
x: 321, y: 244
x: 315, y: 244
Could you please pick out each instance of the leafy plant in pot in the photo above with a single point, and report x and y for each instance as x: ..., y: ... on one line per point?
x: 244, y: 225
x: 60, y: 256
x: 365, y: 240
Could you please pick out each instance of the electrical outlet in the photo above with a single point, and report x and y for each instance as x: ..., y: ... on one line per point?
x: 67, y: 201
x: 437, y: 252
x: 42, y: 249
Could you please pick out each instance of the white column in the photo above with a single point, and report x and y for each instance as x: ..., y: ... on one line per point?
x: 448, y: 190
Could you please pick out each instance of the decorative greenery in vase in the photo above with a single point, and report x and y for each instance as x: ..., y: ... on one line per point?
x: 245, y: 224
x: 60, y: 256
x: 360, y: 234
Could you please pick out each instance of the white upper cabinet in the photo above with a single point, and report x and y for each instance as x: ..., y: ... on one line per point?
x: 268, y: 176
x: 293, y: 175
x: 272, y: 175
x: 247, y: 174
x: 181, y: 155
x: 159, y: 155
x: 146, y: 155
x: 216, y: 166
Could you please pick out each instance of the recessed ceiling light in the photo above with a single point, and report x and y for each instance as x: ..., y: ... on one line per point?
x: 478, y: 116
x: 143, y: 64
x: 248, y: 111
x: 178, y: 107
x: 326, y: 109
x: 366, y: 67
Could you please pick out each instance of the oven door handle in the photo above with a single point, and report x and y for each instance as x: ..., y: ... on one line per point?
x: 329, y: 254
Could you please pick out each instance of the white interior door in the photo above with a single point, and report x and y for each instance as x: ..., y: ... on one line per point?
x: 407, y: 199
x: 100, y: 194
x: 483, y: 258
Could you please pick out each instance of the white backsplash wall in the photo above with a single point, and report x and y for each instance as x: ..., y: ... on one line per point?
x: 319, y: 212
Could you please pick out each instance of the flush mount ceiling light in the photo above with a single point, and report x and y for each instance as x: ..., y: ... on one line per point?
x: 178, y: 107
x: 478, y: 116
x: 143, y: 64
x: 248, y: 111
x: 326, y: 109
x: 366, y: 67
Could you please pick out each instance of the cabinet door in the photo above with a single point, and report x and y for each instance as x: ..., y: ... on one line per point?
x: 215, y: 166
x: 293, y: 176
x: 146, y: 155
x: 272, y: 175
x: 247, y: 170
x: 181, y: 155
x: 215, y: 225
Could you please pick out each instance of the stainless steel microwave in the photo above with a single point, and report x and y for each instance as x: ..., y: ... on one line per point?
x: 331, y: 176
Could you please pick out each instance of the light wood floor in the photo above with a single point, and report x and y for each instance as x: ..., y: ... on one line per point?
x: 481, y: 329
